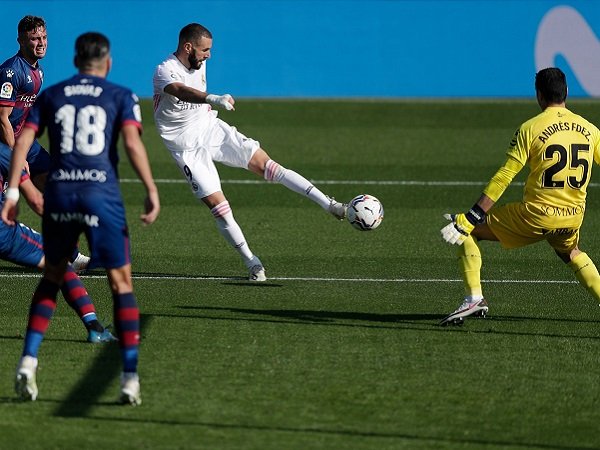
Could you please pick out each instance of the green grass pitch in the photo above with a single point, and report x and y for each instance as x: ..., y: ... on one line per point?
x: 340, y: 349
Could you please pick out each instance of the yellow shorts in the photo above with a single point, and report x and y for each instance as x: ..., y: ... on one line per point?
x: 520, y: 224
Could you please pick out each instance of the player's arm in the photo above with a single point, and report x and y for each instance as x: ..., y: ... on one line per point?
x: 33, y: 197
x: 136, y: 152
x: 17, y: 162
x: 461, y: 225
x: 192, y: 95
x: 502, y: 178
x: 7, y: 134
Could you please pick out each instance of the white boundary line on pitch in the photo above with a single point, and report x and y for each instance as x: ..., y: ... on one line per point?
x: 347, y: 182
x: 317, y: 279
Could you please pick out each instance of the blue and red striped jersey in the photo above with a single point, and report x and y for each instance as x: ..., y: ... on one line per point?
x: 20, y: 83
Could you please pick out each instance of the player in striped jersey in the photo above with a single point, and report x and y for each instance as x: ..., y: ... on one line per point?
x: 21, y: 78
x: 560, y: 148
x: 84, y: 116
x: 196, y: 138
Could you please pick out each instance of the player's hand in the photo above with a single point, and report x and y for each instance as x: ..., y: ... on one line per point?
x: 223, y: 101
x: 457, y: 230
x: 9, y: 211
x: 151, y: 208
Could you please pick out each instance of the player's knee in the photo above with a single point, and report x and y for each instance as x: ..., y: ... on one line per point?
x: 274, y: 171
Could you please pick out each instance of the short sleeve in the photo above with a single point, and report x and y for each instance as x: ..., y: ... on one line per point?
x: 131, y: 112
x: 165, y: 76
x: 9, y: 86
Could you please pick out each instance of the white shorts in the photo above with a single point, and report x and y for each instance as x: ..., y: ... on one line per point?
x: 221, y: 143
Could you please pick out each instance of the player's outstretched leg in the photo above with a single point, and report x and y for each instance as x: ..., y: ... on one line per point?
x: 274, y: 172
x: 473, y: 304
x: 233, y: 234
x: 78, y: 298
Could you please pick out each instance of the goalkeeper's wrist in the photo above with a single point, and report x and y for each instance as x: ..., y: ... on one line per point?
x: 476, y: 215
x: 12, y: 194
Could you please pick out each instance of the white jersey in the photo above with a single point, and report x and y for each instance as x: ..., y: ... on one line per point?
x: 179, y: 123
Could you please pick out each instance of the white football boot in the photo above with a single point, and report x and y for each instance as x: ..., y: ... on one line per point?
x: 337, y: 209
x: 81, y: 262
x: 475, y: 308
x: 130, y: 389
x: 256, y: 270
x: 25, y: 385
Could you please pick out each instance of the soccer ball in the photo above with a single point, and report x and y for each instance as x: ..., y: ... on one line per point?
x: 365, y: 212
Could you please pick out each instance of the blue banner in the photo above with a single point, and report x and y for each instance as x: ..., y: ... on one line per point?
x: 335, y: 48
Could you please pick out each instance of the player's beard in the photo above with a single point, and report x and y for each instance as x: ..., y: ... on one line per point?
x: 195, y: 63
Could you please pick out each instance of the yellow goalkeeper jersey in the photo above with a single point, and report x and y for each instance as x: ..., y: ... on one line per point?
x: 559, y: 147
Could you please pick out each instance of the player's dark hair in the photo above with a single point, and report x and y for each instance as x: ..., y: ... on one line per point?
x: 89, y: 48
x: 551, y: 83
x: 193, y: 32
x: 30, y: 23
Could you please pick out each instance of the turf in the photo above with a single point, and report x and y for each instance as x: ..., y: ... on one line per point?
x: 341, y: 347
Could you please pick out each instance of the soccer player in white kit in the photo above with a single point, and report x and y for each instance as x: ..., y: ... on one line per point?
x: 196, y: 138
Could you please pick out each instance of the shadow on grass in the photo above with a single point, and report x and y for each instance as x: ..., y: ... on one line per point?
x: 319, y: 316
x: 105, y: 368
x: 345, y: 433
x: 374, y: 320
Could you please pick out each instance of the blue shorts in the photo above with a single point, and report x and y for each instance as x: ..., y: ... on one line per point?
x: 37, y: 158
x: 99, y: 216
x: 20, y: 245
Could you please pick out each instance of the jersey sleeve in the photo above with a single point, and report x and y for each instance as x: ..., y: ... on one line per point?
x: 131, y: 113
x: 502, y: 178
x: 596, y: 144
x: 164, y: 76
x: 519, y: 145
x: 9, y: 86
x: 516, y: 158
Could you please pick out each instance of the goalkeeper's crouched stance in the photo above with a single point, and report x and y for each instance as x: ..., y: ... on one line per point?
x: 510, y: 225
x: 553, y: 206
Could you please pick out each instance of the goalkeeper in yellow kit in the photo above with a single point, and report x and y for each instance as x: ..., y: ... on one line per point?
x: 559, y: 147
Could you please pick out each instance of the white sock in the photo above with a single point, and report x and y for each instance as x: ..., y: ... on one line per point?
x: 295, y: 182
x: 231, y: 231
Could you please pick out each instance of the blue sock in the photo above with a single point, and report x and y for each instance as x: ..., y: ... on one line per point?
x: 33, y: 340
x: 130, y: 359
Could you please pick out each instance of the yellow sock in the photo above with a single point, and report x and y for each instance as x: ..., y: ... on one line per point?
x: 586, y: 273
x: 469, y: 261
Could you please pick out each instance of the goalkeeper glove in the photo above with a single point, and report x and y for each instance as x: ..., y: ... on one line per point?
x: 224, y: 101
x: 462, y: 225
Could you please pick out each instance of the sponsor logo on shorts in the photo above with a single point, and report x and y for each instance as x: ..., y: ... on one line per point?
x: 90, y: 220
x: 560, y: 211
x: 98, y: 176
x: 559, y: 231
